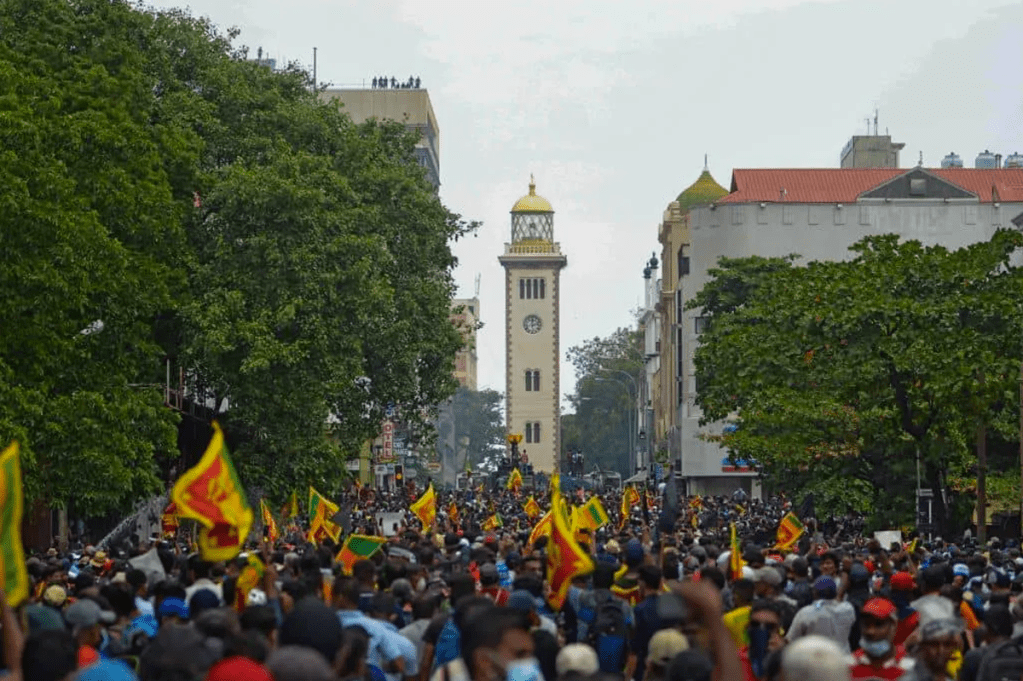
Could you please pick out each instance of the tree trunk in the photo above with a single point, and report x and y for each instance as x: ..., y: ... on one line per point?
x: 981, y: 483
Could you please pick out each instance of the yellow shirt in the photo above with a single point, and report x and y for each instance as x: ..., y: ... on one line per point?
x: 737, y: 622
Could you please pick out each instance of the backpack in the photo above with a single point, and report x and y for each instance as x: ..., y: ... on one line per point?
x: 1003, y: 661
x: 608, y: 634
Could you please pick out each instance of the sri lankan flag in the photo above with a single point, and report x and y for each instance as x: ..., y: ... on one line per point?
x: 453, y: 512
x: 565, y: 559
x: 321, y: 510
x: 515, y: 480
x: 212, y: 494
x: 531, y: 508
x: 357, y: 547
x: 735, y: 561
x: 592, y: 514
x: 169, y: 520
x: 13, y: 573
x: 273, y: 534
x: 248, y: 579
x: 492, y: 523
x: 290, y: 509
x: 630, y: 497
x: 542, y: 528
x: 425, y: 507
x: 789, y: 531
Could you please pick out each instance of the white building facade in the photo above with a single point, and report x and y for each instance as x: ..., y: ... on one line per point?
x: 818, y: 214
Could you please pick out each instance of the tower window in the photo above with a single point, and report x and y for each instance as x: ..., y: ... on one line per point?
x: 533, y: 432
x: 532, y: 288
x: 532, y: 380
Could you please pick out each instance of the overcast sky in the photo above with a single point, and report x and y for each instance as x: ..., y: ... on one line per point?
x: 612, y: 105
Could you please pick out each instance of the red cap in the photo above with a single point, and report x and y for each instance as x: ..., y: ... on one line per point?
x: 903, y: 581
x: 238, y: 669
x: 881, y: 608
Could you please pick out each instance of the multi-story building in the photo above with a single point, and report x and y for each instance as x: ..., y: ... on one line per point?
x: 407, y: 105
x: 465, y: 316
x: 532, y: 263
x: 673, y: 234
x: 818, y: 214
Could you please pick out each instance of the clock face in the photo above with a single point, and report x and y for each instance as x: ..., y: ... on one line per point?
x: 531, y: 324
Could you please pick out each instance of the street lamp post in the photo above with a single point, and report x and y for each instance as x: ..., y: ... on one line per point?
x: 633, y: 454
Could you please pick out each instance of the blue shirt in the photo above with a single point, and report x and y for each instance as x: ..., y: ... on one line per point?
x: 385, y: 645
x: 449, y: 644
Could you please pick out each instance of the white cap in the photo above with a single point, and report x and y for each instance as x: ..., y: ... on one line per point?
x: 256, y: 597
x: 578, y: 658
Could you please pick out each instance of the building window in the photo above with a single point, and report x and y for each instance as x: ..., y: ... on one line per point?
x: 683, y: 261
x: 532, y: 289
x: 533, y: 432
x: 532, y: 380
x: 702, y: 324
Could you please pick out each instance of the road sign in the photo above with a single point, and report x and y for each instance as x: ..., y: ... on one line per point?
x: 411, y: 473
x: 352, y: 464
x: 433, y: 467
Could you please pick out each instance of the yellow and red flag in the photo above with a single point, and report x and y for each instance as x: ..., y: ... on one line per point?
x: 211, y: 494
x: 531, y: 508
x: 592, y: 514
x: 515, y: 480
x: 272, y: 533
x: 425, y: 507
x: 321, y: 512
x: 13, y: 572
x: 630, y: 497
x: 357, y: 547
x: 735, y: 559
x: 542, y: 528
x: 565, y: 558
x: 248, y: 579
x: 789, y: 531
x: 169, y: 520
x: 290, y: 509
x: 492, y: 523
x: 453, y: 512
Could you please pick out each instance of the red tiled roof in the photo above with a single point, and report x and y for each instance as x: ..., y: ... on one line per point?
x: 844, y: 185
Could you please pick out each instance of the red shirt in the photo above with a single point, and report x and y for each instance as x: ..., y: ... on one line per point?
x: 863, y: 669
x: 496, y: 594
x: 906, y: 627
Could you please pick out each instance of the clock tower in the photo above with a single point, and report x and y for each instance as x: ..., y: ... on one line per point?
x: 532, y: 267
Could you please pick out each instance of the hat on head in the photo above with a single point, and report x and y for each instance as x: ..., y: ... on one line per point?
x: 903, y: 581
x: 51, y: 552
x: 99, y: 559
x: 858, y: 574
x: 960, y: 570
x: 87, y: 613
x: 881, y: 608
x: 578, y: 658
x: 939, y: 628
x: 612, y: 547
x: 665, y: 645
x: 238, y: 668
x: 55, y: 596
x: 825, y: 587
x: 107, y: 670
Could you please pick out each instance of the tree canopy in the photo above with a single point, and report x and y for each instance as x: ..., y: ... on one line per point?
x: 168, y: 200
x: 838, y: 374
x: 607, y: 372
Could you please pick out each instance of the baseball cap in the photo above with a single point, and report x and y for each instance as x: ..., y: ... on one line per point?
x: 521, y: 600
x: 825, y: 587
x: 881, y: 608
x: 173, y: 606
x: 87, y: 613
x: 612, y: 547
x: 665, y: 645
x: 903, y: 581
x: 961, y: 570
x: 578, y: 658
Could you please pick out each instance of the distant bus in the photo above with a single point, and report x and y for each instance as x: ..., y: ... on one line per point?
x: 605, y: 481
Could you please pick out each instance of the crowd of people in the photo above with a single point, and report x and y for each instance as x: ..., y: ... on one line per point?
x: 457, y: 602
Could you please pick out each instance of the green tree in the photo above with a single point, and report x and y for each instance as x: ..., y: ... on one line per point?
x: 478, y: 426
x: 607, y: 371
x: 846, y: 371
x: 210, y: 211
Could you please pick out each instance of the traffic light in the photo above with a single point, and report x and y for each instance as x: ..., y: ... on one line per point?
x: 399, y: 473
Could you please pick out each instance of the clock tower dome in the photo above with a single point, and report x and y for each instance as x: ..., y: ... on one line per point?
x: 532, y: 266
